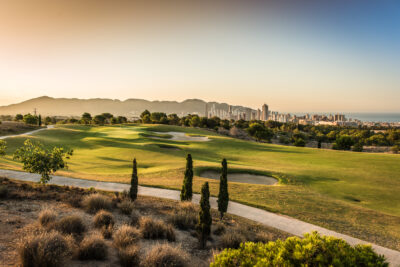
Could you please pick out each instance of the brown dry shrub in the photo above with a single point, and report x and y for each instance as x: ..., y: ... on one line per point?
x: 134, y: 218
x: 47, y: 217
x: 156, y: 229
x: 167, y: 256
x: 103, y: 219
x: 262, y: 237
x: 93, y: 247
x: 184, y: 220
x: 218, y: 228
x: 126, y: 206
x: 129, y: 256
x: 107, y: 231
x: 125, y: 236
x: 71, y: 225
x: 231, y: 239
x: 44, y: 249
x: 95, y: 202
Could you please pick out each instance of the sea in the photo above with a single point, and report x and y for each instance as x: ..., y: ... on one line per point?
x: 365, y: 116
x: 375, y: 117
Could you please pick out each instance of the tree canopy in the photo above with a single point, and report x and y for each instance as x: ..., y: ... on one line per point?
x: 37, y: 159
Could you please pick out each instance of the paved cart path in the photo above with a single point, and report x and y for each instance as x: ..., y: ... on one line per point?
x: 27, y: 133
x: 284, y: 223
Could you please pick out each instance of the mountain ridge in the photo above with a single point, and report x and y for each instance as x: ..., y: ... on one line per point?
x: 49, y: 106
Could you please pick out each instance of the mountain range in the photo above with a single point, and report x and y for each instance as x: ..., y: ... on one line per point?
x: 48, y: 106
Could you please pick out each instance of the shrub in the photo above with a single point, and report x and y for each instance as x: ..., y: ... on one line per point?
x: 155, y: 229
x: 299, y: 142
x: 184, y: 220
x: 93, y: 247
x: 103, y: 219
x: 126, y: 206
x: 107, y: 231
x: 3, y: 191
x: 95, y: 202
x: 45, y: 249
x: 129, y: 256
x: 47, y: 217
x: 165, y: 255
x: 72, y: 224
x: 135, y: 217
x: 125, y: 236
x: 231, y: 240
x: 219, y: 229
x: 312, y: 250
x: 262, y: 237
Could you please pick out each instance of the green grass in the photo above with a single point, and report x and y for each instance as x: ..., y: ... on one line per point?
x: 353, y: 193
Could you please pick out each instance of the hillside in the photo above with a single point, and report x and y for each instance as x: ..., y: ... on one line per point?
x: 48, y: 106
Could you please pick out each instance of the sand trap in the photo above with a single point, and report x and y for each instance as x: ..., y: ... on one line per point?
x: 178, y: 136
x: 242, y: 178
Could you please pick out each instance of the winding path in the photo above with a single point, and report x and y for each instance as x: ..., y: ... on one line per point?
x: 284, y: 223
x: 27, y: 133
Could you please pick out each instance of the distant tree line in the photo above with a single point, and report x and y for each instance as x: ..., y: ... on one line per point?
x: 341, y: 137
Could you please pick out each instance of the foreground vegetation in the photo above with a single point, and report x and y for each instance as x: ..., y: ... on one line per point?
x: 78, y: 227
x: 83, y: 227
x: 352, y: 193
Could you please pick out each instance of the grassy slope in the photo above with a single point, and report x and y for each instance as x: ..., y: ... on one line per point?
x: 354, y: 193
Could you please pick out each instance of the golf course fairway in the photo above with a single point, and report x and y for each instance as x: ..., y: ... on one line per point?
x: 349, y: 192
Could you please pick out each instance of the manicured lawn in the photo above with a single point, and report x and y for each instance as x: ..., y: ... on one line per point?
x: 353, y: 193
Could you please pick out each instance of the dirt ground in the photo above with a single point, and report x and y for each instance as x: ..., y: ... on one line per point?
x: 22, y: 203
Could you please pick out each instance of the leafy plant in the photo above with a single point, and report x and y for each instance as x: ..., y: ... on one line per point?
x: 312, y: 250
x: 37, y: 159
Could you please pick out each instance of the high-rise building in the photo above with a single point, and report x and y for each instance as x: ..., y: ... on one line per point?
x: 264, y: 112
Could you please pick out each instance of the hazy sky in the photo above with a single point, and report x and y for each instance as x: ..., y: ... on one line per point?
x: 296, y: 58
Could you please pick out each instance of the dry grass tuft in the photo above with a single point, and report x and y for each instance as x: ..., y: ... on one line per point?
x: 219, y: 229
x: 134, y: 218
x: 231, y: 239
x: 71, y: 225
x: 3, y: 191
x: 47, y: 217
x: 165, y: 255
x: 45, y: 249
x: 103, y: 219
x: 125, y: 236
x: 155, y: 229
x: 107, y: 231
x: 184, y: 220
x: 129, y: 256
x: 126, y: 206
x: 93, y: 247
x: 95, y: 202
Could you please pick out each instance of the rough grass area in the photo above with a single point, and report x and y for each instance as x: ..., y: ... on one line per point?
x: 12, y: 128
x: 32, y: 213
x: 348, y: 192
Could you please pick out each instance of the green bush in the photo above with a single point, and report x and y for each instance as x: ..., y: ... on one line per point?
x: 312, y: 250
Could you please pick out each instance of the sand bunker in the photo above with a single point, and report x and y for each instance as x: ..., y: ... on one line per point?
x: 246, y: 178
x: 178, y: 136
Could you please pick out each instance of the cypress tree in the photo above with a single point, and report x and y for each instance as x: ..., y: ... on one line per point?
x: 40, y: 120
x: 134, y: 182
x: 204, y: 226
x: 319, y: 143
x: 186, y: 192
x: 223, y: 196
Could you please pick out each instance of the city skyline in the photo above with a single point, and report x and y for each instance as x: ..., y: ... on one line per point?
x: 297, y: 58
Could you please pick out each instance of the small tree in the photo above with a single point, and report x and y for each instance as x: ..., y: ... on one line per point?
x: 204, y: 226
x: 40, y: 120
x: 134, y: 182
x: 3, y: 147
x: 36, y: 159
x: 86, y: 118
x: 223, y: 196
x: 19, y: 117
x: 186, y: 192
